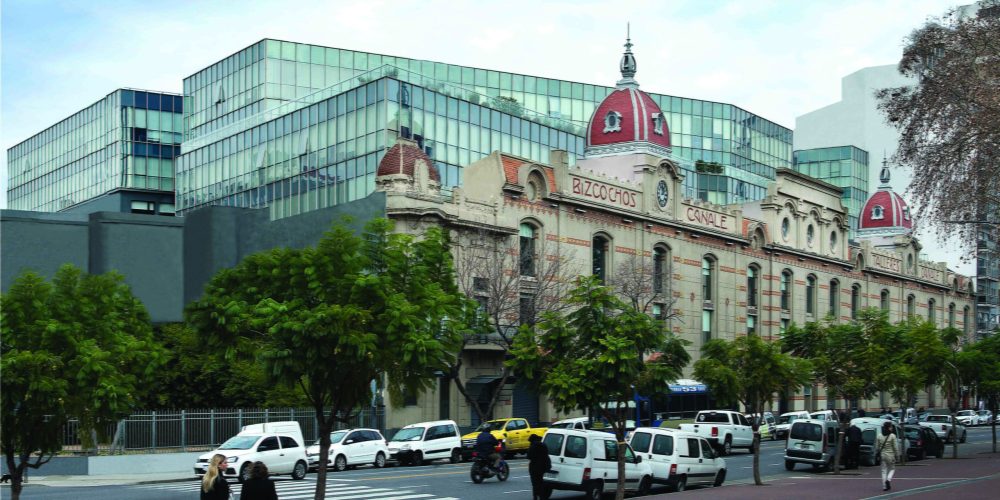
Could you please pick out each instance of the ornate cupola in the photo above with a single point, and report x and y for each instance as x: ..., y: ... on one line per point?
x: 627, y: 120
x: 885, y: 213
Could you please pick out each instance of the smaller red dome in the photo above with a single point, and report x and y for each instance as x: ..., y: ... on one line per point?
x: 402, y: 158
x: 885, y: 211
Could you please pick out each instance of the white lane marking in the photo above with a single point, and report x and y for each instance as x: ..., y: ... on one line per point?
x: 353, y: 494
x: 516, y: 491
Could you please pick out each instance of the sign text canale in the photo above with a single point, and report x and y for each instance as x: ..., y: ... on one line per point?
x: 605, y: 193
x: 710, y: 219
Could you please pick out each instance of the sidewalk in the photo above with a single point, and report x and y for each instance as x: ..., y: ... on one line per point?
x: 970, y: 477
x: 106, y: 480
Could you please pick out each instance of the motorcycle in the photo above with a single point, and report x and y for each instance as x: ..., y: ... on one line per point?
x: 482, y: 467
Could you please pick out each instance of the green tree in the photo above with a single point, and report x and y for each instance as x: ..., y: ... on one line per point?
x: 78, y: 347
x: 917, y: 360
x: 750, y: 371
x: 597, y: 356
x: 982, y: 367
x: 379, y: 307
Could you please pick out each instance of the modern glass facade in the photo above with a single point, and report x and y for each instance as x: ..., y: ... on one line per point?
x: 845, y: 167
x: 273, y: 78
x: 128, y: 139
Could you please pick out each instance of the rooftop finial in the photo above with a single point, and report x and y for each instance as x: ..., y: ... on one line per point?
x: 884, y: 174
x: 627, y: 65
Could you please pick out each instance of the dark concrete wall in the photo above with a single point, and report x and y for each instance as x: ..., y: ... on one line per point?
x: 165, y: 260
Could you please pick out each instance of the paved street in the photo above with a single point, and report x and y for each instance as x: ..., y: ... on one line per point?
x: 446, y: 481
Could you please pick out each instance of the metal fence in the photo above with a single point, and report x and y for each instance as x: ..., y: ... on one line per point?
x: 164, y: 431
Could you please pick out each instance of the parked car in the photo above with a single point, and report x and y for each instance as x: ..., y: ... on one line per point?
x: 871, y: 435
x: 985, y: 417
x: 278, y: 444
x: 585, y: 423
x: 352, y: 447
x: 723, y: 428
x: 923, y: 442
x: 678, y: 459
x: 967, y: 418
x: 824, y: 415
x: 416, y: 444
x: 765, y: 425
x: 942, y: 425
x: 813, y: 442
x: 587, y: 461
x: 514, y: 432
x: 785, y: 422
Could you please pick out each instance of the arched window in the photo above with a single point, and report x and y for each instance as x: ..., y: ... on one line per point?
x: 707, y: 277
x: 753, y: 287
x: 855, y: 300
x: 786, y: 290
x: 931, y: 311
x: 601, y: 250
x: 911, y: 306
x: 810, y: 294
x: 528, y: 239
x: 884, y: 300
x: 661, y: 269
x: 951, y: 315
x: 835, y: 299
x: 878, y: 212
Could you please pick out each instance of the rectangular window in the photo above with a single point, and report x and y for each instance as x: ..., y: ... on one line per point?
x: 751, y: 287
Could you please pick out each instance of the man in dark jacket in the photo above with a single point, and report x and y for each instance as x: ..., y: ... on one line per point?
x: 538, y: 463
x: 486, y: 447
x: 853, y: 447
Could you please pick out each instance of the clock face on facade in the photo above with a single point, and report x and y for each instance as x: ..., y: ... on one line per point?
x: 661, y: 194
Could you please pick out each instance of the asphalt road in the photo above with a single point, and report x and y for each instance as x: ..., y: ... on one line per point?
x: 433, y: 482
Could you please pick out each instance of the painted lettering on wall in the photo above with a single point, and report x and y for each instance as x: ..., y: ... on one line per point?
x: 605, y: 193
x: 709, y: 219
x: 887, y: 263
x: 930, y: 274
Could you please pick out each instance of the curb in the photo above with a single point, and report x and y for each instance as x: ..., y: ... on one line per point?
x: 162, y: 481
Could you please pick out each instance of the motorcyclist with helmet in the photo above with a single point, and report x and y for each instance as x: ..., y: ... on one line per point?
x: 486, y: 446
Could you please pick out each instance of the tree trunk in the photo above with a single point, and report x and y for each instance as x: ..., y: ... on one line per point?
x: 993, y: 424
x: 756, y: 456
x: 16, y: 474
x: 468, y: 399
x: 954, y: 436
x: 324, y: 426
x: 840, y: 441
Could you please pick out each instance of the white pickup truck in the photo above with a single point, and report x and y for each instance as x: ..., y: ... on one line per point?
x: 724, y: 429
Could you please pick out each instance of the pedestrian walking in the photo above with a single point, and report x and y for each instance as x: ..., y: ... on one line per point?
x: 853, y: 447
x: 538, y: 463
x: 888, y: 452
x: 259, y: 486
x: 214, y: 486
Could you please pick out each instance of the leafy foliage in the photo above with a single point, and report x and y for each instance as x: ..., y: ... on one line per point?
x: 331, y: 319
x: 950, y: 121
x: 750, y: 371
x: 597, y: 356
x: 80, y: 346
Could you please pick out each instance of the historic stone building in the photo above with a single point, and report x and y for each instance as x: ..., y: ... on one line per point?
x: 711, y: 271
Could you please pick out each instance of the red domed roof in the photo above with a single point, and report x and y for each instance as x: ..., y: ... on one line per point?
x: 401, y: 159
x: 628, y: 115
x: 885, y: 211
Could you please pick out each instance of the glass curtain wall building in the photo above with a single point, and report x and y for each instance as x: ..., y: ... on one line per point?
x: 845, y: 167
x: 127, y: 140
x: 272, y: 79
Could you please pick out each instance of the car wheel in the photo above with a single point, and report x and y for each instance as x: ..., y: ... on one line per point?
x: 299, y: 472
x: 456, y: 456
x: 682, y: 483
x: 595, y: 490
x: 645, y: 485
x: 720, y: 477
x: 244, y: 473
x: 940, y: 452
x: 789, y: 465
x: 727, y: 447
x: 418, y: 458
x: 922, y: 455
x: 546, y: 493
x: 379, y: 460
x: 963, y: 437
x: 340, y: 463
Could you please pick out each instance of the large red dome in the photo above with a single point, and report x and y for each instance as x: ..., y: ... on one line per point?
x: 885, y: 211
x: 628, y: 115
x: 402, y: 158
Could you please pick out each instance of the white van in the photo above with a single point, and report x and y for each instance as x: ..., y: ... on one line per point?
x: 871, y: 435
x: 678, y: 458
x: 813, y: 442
x: 587, y: 461
x: 278, y: 444
x: 416, y: 444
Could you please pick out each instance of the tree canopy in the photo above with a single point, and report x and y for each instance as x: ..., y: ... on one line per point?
x: 79, y: 347
x: 597, y: 356
x: 949, y: 121
x: 749, y: 370
x: 332, y: 319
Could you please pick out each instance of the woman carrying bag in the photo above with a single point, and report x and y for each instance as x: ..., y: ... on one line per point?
x: 889, y: 453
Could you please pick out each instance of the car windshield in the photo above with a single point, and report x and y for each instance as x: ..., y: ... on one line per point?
x: 807, y: 432
x: 868, y: 437
x: 912, y: 433
x: 562, y: 425
x: 239, y: 443
x: 335, y: 437
x: 496, y: 425
x: 411, y: 434
x: 787, y: 419
x: 938, y: 418
x: 984, y: 412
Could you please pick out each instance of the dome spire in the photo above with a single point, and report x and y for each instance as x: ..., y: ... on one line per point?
x: 884, y: 174
x: 627, y: 64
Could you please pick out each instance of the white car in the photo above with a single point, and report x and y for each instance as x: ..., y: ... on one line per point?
x: 678, y: 459
x: 416, y: 444
x: 583, y: 423
x: 279, y: 445
x: 785, y: 422
x: 587, y: 461
x: 352, y: 447
x: 941, y: 425
x: 985, y: 417
x: 723, y: 428
x: 967, y: 418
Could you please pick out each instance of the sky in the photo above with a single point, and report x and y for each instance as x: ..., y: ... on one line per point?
x: 775, y: 58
